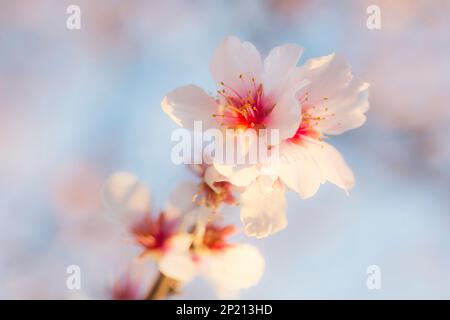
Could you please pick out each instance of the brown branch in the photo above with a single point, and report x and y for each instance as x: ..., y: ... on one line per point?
x: 162, y: 288
x: 165, y: 286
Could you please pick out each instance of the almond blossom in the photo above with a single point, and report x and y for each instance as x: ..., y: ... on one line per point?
x: 333, y: 103
x: 186, y: 238
x: 306, y: 104
x: 153, y: 234
x: 228, y: 267
x: 252, y: 94
x: 128, y: 201
x: 204, y: 249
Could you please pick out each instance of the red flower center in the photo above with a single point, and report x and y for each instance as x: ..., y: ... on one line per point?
x: 215, y: 237
x: 243, y: 111
x: 310, y: 120
x: 153, y: 234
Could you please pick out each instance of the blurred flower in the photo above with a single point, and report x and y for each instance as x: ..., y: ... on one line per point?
x: 228, y: 267
x: 125, y: 197
x: 184, y: 240
x: 212, y: 191
x: 75, y: 189
x: 132, y: 283
x: 287, y: 9
x: 153, y: 234
x: 125, y: 288
x: 128, y: 200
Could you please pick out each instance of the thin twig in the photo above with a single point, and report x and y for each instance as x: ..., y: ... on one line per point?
x: 162, y: 288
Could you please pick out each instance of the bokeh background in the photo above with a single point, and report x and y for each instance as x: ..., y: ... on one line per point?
x: 77, y: 105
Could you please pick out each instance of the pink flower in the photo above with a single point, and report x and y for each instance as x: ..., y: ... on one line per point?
x: 306, y: 104
x: 126, y: 288
x: 333, y: 103
x: 184, y: 241
x: 128, y: 201
x: 252, y: 93
x: 154, y: 234
x: 211, y: 191
x: 228, y: 267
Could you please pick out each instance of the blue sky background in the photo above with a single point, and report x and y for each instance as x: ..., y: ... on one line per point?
x: 76, y: 106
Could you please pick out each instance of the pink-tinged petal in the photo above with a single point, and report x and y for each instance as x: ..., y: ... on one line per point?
x: 240, y: 266
x: 177, y: 263
x: 212, y: 176
x: 304, y: 167
x: 235, y: 63
x: 328, y: 76
x: 263, y: 207
x: 346, y: 111
x: 190, y: 103
x: 278, y: 66
x: 332, y: 165
x: 238, y: 175
x: 299, y: 170
x: 334, y: 96
x: 198, y: 218
x: 286, y: 115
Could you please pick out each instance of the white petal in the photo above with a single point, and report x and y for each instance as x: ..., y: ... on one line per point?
x: 224, y: 293
x: 178, y: 266
x: 199, y: 218
x: 238, y: 267
x: 332, y: 165
x: 286, y: 115
x: 338, y: 98
x: 281, y: 85
x: 190, y: 103
x: 234, y: 58
x: 262, y: 211
x: 299, y: 170
x: 278, y: 66
x: 238, y: 175
x: 177, y: 263
x: 348, y: 109
x: 328, y: 75
x: 303, y: 167
x: 212, y: 176
x: 125, y: 196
